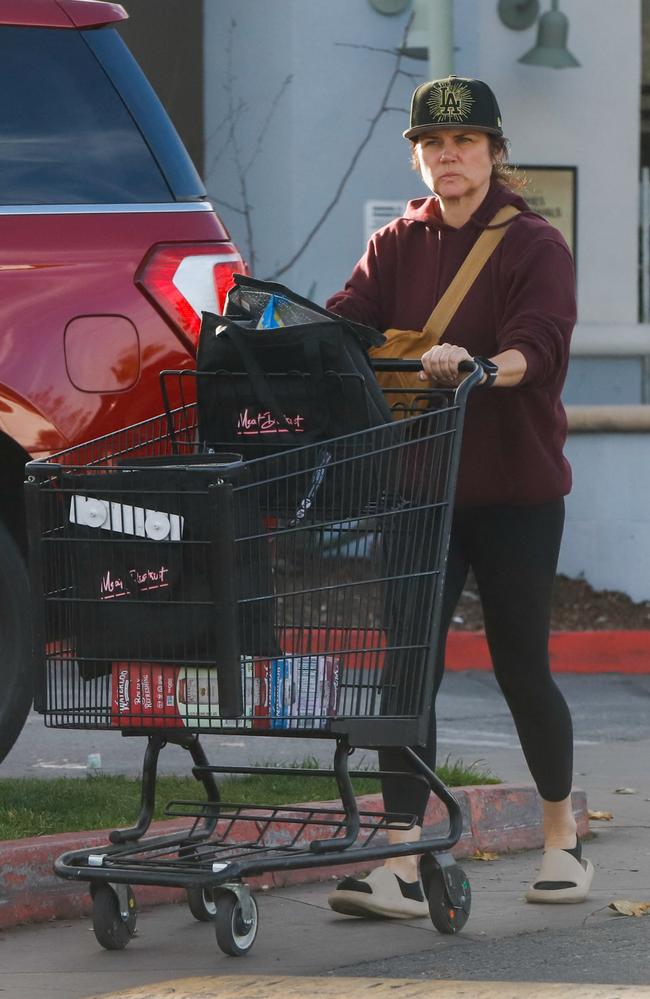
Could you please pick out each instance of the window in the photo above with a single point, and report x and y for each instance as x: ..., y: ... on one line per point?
x: 67, y: 137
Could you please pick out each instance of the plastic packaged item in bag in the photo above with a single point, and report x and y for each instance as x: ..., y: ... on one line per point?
x: 271, y: 318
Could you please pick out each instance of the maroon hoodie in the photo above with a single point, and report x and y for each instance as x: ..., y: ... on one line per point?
x: 524, y: 298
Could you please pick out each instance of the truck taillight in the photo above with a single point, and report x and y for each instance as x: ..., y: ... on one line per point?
x: 185, y: 279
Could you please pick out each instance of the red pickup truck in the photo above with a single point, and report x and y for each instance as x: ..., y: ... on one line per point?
x: 108, y: 253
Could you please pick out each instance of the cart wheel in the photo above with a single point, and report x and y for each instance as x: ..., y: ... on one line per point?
x: 112, y: 930
x: 235, y: 936
x: 202, y: 904
x: 446, y: 916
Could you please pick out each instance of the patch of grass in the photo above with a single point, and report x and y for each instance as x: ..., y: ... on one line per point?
x: 32, y: 806
x: 460, y: 774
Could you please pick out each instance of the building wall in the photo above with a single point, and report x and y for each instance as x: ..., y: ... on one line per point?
x: 584, y: 117
x: 607, y: 533
x: 313, y: 132
x: 303, y: 128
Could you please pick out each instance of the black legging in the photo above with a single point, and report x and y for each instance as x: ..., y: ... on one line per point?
x: 513, y: 551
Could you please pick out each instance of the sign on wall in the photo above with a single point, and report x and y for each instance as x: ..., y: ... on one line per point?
x: 551, y: 191
x: 379, y: 213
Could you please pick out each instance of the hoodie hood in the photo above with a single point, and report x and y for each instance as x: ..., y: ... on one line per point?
x: 427, y: 210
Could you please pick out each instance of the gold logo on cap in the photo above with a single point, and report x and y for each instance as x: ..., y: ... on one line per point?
x: 450, y: 102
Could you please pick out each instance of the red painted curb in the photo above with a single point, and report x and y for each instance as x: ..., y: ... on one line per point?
x: 496, y: 817
x: 570, y: 651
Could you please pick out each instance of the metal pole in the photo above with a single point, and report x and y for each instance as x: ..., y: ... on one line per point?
x: 441, y: 37
x: 645, y: 232
x: 645, y: 275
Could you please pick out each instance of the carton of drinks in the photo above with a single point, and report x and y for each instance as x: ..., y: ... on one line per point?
x: 285, y: 693
x: 302, y: 691
x: 153, y: 695
x: 144, y: 694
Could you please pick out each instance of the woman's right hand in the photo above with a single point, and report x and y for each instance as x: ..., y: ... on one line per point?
x: 440, y: 364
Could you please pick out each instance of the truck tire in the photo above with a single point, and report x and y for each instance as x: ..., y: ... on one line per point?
x: 16, y: 681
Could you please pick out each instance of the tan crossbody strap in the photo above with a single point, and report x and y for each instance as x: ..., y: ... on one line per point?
x: 469, y: 270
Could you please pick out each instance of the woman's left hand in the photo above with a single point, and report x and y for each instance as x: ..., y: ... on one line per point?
x: 441, y: 362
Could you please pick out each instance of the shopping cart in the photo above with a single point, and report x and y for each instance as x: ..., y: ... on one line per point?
x: 180, y: 590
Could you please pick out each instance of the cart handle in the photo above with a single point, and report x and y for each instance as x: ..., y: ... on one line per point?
x: 474, y: 367
x: 405, y: 364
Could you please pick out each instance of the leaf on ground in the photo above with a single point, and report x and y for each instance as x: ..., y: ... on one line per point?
x: 484, y: 855
x: 626, y: 790
x: 603, y: 816
x: 626, y: 908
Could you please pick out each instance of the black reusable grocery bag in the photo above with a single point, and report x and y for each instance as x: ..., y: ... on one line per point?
x: 146, y: 582
x: 306, y: 381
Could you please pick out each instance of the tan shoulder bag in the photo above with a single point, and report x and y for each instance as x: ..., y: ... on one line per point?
x: 412, y: 344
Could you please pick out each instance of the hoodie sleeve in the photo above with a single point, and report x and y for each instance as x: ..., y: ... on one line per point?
x: 540, y: 307
x: 360, y: 300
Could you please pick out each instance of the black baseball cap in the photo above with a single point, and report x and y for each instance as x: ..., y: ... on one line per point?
x: 453, y: 102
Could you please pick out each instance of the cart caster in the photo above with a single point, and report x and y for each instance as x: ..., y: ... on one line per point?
x: 448, y: 893
x: 202, y: 904
x: 235, y: 921
x: 114, y: 915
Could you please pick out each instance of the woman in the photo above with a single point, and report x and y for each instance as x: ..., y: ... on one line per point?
x: 519, y: 315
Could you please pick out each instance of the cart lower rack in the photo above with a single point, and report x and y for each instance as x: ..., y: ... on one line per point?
x: 185, y: 590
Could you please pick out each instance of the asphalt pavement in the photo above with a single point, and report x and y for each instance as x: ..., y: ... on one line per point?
x: 473, y: 723
x: 504, y: 940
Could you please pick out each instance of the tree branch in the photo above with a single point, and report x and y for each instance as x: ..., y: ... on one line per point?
x: 226, y: 204
x: 368, y: 48
x: 264, y: 130
x: 236, y: 152
x: 243, y: 165
x: 352, y: 164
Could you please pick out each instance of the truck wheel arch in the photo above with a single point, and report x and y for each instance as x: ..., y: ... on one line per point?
x: 16, y: 661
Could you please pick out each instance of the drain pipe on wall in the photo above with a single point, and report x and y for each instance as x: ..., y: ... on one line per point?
x: 441, y: 36
x: 431, y: 33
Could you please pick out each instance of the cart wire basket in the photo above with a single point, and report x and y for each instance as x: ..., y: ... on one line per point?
x: 182, y: 586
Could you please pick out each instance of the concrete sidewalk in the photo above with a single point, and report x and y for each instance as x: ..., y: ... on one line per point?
x: 496, y: 818
x: 504, y: 939
x: 611, y: 723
